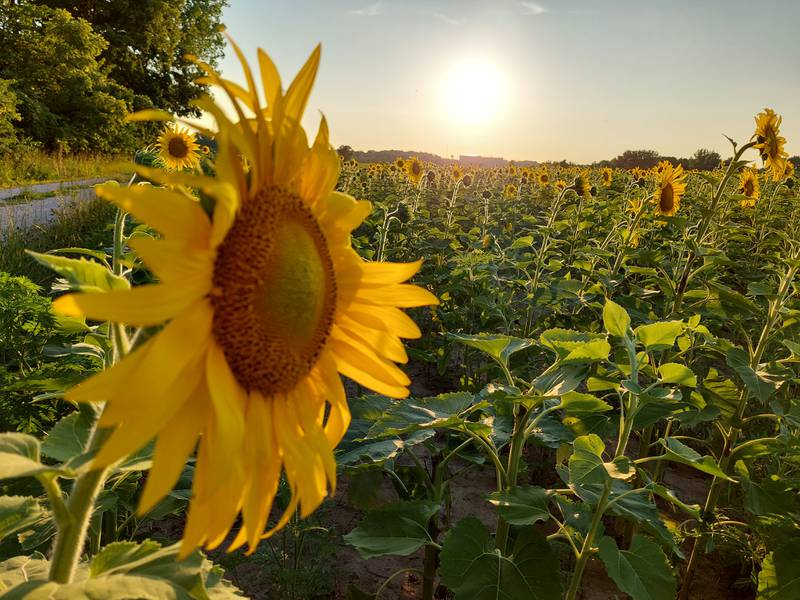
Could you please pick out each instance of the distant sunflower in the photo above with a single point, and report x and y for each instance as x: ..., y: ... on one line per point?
x: 789, y: 170
x: 607, y: 176
x: 748, y: 187
x: 543, y: 178
x: 456, y: 173
x: 670, y: 190
x: 560, y: 185
x: 400, y: 164
x: 178, y: 148
x: 466, y: 180
x: 263, y: 304
x: 414, y: 169
x: 205, y: 149
x: 430, y: 176
x: 581, y: 185
x: 510, y: 191
x: 770, y: 143
x: 662, y: 166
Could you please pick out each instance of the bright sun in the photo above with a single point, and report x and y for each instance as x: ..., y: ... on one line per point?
x: 474, y: 91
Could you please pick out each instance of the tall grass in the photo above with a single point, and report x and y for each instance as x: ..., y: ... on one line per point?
x: 30, y: 165
x: 85, y: 224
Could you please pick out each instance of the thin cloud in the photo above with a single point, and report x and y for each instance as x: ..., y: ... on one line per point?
x: 532, y: 8
x: 368, y: 11
x: 446, y: 19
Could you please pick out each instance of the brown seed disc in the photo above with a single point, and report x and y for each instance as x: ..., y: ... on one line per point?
x: 274, y: 293
x: 177, y: 147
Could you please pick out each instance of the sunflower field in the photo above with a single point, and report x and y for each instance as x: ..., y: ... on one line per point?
x: 289, y: 374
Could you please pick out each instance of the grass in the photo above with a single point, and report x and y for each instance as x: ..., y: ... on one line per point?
x: 27, y: 166
x: 85, y: 223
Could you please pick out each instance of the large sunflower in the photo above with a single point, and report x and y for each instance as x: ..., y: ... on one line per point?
x: 264, y: 303
x: 178, y: 148
x: 770, y: 143
x: 669, y: 191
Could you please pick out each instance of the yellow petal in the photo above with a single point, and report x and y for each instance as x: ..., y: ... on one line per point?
x: 360, y: 368
x: 383, y: 343
x: 141, y: 306
x: 400, y: 295
x: 175, y: 443
x: 390, y: 318
x: 299, y: 90
x: 383, y: 273
x: 170, y: 262
x: 270, y: 78
x: 173, y: 214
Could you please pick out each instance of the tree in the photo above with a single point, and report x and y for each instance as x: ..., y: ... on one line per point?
x: 66, y: 101
x: 346, y: 152
x: 704, y: 160
x: 636, y: 158
x: 8, y: 115
x: 148, y: 41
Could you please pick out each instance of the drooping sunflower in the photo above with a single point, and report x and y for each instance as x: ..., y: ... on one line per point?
x: 770, y: 143
x: 264, y: 303
x: 178, y: 147
x: 581, y: 185
x: 606, y: 177
x: 466, y: 180
x: 748, y: 187
x: 669, y: 191
x: 414, y: 169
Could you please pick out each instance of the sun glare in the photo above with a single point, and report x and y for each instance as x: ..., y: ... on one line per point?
x: 473, y: 92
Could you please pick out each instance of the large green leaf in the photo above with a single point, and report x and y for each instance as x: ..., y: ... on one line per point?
x: 20, y: 569
x: 677, y: 374
x: 499, y: 347
x: 115, y: 587
x: 586, y: 466
x: 81, y: 274
x: 411, y: 415
x: 759, y: 387
x: 577, y: 402
x: 616, y: 319
x: 400, y: 529
x: 659, y: 336
x: 19, y: 456
x: 677, y: 451
x: 643, y: 571
x: 576, y: 347
x: 17, y: 513
x: 69, y: 437
x: 780, y: 574
x: 473, y: 570
x: 522, y: 504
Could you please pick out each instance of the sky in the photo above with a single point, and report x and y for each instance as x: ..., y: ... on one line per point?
x: 581, y: 80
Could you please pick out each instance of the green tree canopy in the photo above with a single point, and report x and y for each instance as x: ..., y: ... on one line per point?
x: 148, y: 41
x: 65, y: 99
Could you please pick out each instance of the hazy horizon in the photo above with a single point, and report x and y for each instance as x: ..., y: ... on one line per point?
x: 581, y: 81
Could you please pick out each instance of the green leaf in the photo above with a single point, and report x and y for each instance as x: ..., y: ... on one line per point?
x: 780, y: 574
x: 409, y: 415
x: 116, y: 587
x: 586, y: 465
x: 20, y: 569
x: 522, y: 504
x: 577, y: 402
x: 18, y: 513
x: 81, y: 274
x: 576, y: 347
x: 677, y: 451
x: 751, y: 449
x: 738, y: 360
x: 643, y: 571
x: 659, y: 336
x: 473, y: 570
x: 677, y: 374
x: 19, y: 456
x: 615, y: 319
x: 68, y: 438
x: 399, y: 529
x: 499, y: 347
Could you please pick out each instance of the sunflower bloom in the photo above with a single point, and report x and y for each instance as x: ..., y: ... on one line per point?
x: 669, y: 191
x: 543, y: 179
x: 560, y: 185
x: 264, y: 303
x: 770, y: 143
x: 456, y: 173
x: 581, y: 185
x: 178, y: 148
x: 606, y: 177
x: 414, y: 170
x: 749, y: 188
x: 510, y: 191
